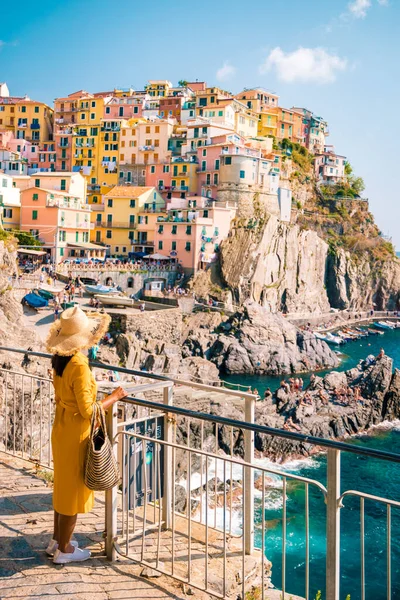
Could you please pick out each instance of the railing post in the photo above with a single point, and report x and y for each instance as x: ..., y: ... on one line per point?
x: 333, y: 526
x: 112, y: 495
x: 248, y: 517
x: 168, y: 475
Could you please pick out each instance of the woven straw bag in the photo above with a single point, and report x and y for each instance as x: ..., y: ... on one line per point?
x: 101, y: 468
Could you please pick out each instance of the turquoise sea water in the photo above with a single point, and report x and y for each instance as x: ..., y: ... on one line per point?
x: 363, y: 474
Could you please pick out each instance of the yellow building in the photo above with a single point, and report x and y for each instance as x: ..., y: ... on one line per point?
x: 158, y: 88
x: 116, y: 219
x: 268, y: 122
x: 184, y: 175
x: 146, y: 229
x: 27, y: 119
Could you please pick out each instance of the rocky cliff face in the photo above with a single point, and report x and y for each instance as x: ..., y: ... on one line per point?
x: 281, y: 267
x: 287, y: 268
x: 256, y: 341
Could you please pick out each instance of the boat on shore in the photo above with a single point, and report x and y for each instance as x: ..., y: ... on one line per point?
x: 113, y: 300
x: 384, y: 325
x: 35, y: 301
x: 100, y: 289
x: 334, y: 339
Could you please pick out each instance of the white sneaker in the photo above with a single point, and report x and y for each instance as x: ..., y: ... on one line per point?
x: 78, y: 555
x: 53, y: 545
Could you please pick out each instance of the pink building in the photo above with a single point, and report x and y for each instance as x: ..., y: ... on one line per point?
x: 124, y: 108
x: 158, y: 176
x: 329, y: 166
x: 193, y: 231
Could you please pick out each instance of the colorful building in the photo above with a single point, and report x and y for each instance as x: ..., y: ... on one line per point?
x: 116, y: 219
x: 10, y: 203
x: 192, y: 231
x: 60, y: 220
x: 12, y: 163
x: 329, y: 166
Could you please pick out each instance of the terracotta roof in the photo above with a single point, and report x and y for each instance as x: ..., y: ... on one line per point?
x: 127, y: 191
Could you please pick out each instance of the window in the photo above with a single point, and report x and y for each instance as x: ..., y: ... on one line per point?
x: 160, y: 245
x: 173, y: 246
x: 108, y: 234
x: 228, y: 160
x: 131, y: 219
x: 34, y: 215
x: 156, y: 143
x: 37, y: 182
x: 36, y: 109
x: 174, y: 229
x: 215, y: 178
x: 109, y: 202
x: 166, y: 169
x: 203, y: 165
x: 116, y: 248
x: 109, y: 219
x: 93, y: 104
x: 184, y: 168
x: 130, y: 282
x: 205, y: 214
x: 157, y: 129
x: 161, y: 229
x: 217, y: 164
x: 175, y: 170
x: 147, y: 129
x: 202, y: 101
x: 132, y: 203
x: 98, y: 218
x: 82, y: 115
x: 61, y: 251
x: 188, y: 246
x: 208, y: 179
x: 23, y: 108
x: 204, y: 152
x: 242, y: 174
x: 152, y: 169
x: 77, y: 236
x: 35, y: 196
x: 92, y: 115
x: 188, y: 230
x: 131, y: 235
x: 107, y: 110
x: 63, y: 184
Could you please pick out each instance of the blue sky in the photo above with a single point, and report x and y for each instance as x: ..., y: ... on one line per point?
x: 340, y: 59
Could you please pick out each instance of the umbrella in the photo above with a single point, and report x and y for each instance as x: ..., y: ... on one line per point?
x: 157, y: 256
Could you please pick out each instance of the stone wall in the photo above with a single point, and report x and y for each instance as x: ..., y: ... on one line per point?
x: 250, y: 199
x: 165, y: 325
x: 122, y: 278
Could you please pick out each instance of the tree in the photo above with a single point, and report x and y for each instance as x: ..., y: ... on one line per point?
x: 182, y: 83
x: 348, y: 169
x: 26, y: 239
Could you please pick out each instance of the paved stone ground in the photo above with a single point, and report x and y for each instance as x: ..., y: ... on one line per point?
x: 27, y: 572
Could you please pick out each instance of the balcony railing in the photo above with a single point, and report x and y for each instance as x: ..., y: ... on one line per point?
x: 93, y: 187
x: 115, y: 225
x: 186, y: 506
x: 146, y: 148
x: 109, y: 128
x: 64, y: 145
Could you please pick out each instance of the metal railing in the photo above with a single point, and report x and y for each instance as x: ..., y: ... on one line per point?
x: 187, y: 505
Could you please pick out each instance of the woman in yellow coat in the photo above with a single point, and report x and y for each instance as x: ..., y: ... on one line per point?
x: 75, y: 394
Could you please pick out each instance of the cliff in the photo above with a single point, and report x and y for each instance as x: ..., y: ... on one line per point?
x: 331, y: 254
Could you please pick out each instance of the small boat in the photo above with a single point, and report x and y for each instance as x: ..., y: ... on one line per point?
x: 35, y: 301
x: 320, y: 336
x: 65, y: 305
x: 100, y: 289
x: 45, y: 294
x: 334, y: 339
x: 383, y: 325
x: 111, y: 300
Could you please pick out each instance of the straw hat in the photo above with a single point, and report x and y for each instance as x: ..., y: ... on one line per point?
x: 76, y: 331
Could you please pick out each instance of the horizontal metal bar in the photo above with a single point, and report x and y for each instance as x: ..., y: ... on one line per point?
x: 225, y: 458
x: 210, y: 388
x: 370, y: 497
x: 290, y: 435
x: 281, y: 433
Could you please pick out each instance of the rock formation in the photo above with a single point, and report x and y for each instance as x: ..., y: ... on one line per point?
x: 256, y: 341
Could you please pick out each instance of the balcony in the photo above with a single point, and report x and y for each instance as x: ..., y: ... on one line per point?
x: 115, y: 225
x: 93, y: 187
x: 21, y: 125
x: 146, y: 148
x: 97, y: 207
x: 109, y: 128
x: 35, y: 125
x: 63, y: 145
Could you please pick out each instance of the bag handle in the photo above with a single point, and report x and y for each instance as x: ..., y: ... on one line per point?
x: 98, y: 414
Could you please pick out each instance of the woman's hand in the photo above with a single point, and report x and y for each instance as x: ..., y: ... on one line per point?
x: 118, y: 394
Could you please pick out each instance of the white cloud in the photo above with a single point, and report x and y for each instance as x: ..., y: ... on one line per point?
x: 225, y: 72
x: 359, y: 8
x: 384, y: 2
x: 304, y: 65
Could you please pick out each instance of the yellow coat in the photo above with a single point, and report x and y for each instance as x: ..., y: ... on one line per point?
x: 75, y: 394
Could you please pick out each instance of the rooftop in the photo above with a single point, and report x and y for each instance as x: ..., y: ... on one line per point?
x: 127, y: 191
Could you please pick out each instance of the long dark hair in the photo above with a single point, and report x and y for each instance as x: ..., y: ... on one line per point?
x: 59, y: 363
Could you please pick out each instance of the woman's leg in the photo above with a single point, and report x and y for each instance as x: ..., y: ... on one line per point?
x: 56, y: 533
x: 66, y: 529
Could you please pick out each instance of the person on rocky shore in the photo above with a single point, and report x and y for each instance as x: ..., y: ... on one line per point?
x: 267, y: 394
x: 75, y: 395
